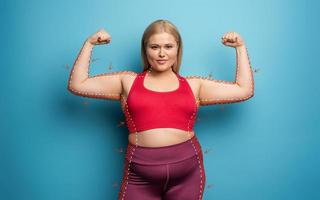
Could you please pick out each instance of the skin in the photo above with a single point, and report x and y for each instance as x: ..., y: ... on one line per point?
x: 116, y: 85
x: 161, y: 46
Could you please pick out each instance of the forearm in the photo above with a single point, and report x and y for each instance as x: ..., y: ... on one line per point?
x: 244, y: 74
x: 80, y: 69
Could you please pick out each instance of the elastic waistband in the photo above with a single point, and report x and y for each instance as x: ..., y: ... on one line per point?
x: 163, y: 155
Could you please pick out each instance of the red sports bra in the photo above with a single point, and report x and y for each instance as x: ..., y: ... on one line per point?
x: 147, y: 109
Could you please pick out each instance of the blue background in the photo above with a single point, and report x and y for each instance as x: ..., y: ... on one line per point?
x: 55, y: 145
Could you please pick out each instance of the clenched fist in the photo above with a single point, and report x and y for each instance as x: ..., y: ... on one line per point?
x: 100, y: 37
x: 232, y: 39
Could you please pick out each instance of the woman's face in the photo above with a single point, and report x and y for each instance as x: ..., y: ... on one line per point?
x: 162, y: 50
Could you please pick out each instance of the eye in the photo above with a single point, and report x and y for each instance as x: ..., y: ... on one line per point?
x: 153, y: 47
x: 169, y: 46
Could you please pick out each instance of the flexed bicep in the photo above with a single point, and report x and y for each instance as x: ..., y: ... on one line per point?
x: 221, y: 92
x: 103, y: 86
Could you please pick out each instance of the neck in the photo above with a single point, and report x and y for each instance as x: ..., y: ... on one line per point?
x: 155, y: 73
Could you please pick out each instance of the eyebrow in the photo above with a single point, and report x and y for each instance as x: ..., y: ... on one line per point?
x: 164, y: 44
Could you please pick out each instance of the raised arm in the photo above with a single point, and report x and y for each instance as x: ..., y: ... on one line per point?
x: 223, y: 92
x: 103, y: 86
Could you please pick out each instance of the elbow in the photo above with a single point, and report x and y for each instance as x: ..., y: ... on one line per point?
x: 251, y: 95
x: 247, y: 94
x: 73, y: 89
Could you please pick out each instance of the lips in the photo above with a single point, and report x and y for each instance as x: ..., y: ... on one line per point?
x: 162, y: 61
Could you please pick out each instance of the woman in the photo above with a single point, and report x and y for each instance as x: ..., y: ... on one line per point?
x: 164, y: 159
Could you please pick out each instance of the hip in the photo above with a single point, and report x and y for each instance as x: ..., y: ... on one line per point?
x: 165, y: 154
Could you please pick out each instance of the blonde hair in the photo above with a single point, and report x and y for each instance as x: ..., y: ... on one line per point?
x: 160, y: 26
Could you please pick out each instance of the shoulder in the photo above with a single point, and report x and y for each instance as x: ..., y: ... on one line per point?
x: 127, y: 77
x: 197, y: 78
x: 126, y: 73
x: 198, y: 81
x: 192, y: 79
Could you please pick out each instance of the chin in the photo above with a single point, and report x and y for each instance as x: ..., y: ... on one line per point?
x: 161, y: 68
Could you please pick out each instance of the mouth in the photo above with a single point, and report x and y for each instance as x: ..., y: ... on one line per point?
x: 161, y: 61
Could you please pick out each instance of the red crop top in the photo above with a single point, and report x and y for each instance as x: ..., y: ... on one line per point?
x: 147, y: 109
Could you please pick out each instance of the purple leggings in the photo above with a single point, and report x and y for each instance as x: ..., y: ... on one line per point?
x: 174, y: 172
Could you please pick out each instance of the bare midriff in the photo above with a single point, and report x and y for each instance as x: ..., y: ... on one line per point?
x: 160, y: 137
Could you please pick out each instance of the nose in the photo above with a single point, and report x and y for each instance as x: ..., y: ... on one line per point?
x: 161, y: 53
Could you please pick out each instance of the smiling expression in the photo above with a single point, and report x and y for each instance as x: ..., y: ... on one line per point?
x: 162, y: 50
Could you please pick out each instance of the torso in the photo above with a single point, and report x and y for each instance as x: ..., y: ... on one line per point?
x: 159, y: 136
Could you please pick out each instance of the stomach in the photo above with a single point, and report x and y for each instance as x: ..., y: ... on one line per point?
x: 160, y: 137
